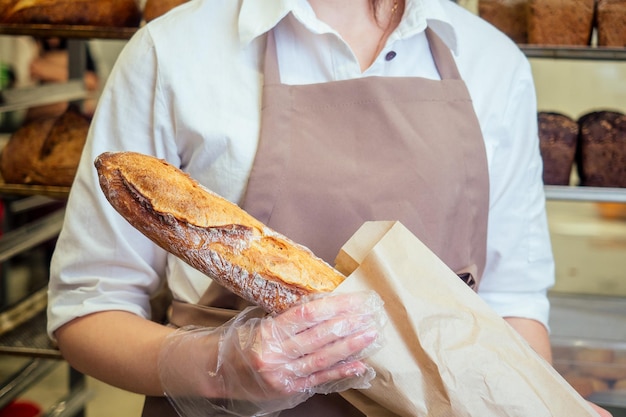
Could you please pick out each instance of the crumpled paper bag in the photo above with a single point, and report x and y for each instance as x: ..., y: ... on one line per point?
x: 446, y: 353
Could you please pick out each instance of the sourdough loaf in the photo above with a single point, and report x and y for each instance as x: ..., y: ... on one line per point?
x: 112, y: 13
x: 507, y: 15
x: 611, y: 23
x: 558, y: 138
x: 560, y: 22
x: 210, y: 233
x: 601, y: 156
x: 156, y: 8
x: 45, y: 151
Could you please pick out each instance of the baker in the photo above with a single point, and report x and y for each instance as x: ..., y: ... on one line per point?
x: 314, y: 116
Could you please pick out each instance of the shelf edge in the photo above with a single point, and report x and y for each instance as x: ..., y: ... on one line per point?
x: 580, y: 193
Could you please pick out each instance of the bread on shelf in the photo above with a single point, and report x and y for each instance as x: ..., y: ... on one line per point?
x: 601, y: 156
x: 156, y: 8
x: 45, y: 151
x: 558, y: 138
x: 110, y: 13
x: 591, y: 366
x: 560, y: 22
x: 611, y: 23
x: 507, y: 15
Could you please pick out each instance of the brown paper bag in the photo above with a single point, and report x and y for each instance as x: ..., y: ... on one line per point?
x: 446, y: 353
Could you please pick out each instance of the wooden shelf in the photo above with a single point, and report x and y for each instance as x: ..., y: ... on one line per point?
x: 52, y: 191
x: 587, y: 53
x: 31, y: 234
x: 68, y: 31
x: 27, y: 97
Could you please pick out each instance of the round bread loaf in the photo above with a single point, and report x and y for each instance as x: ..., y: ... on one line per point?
x: 45, y: 151
x: 601, y: 158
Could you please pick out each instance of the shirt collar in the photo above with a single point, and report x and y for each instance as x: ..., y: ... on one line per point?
x: 257, y: 17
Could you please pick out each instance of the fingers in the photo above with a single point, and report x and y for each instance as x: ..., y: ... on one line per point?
x: 330, y: 355
x: 339, y: 378
x: 306, y: 329
x: 309, y: 314
x: 328, y: 332
x: 321, y: 341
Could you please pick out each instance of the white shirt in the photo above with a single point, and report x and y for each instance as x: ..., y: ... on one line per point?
x: 187, y: 88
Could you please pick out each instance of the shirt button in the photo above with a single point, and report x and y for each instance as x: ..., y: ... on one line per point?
x: 390, y: 55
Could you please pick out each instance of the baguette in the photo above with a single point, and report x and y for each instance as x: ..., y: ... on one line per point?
x: 212, y: 234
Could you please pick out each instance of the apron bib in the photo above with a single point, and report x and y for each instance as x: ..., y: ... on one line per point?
x: 334, y: 155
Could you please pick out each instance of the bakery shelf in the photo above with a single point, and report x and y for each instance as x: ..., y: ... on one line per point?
x: 28, y: 373
x: 26, y: 97
x: 573, y: 52
x: 72, y: 405
x: 23, y: 325
x: 23, y: 205
x: 68, y: 31
x: 588, y: 319
x: 16, y: 383
x: 594, y: 327
x: 609, y: 399
x: 52, y: 191
x: 30, y: 339
x: 23, y: 311
x: 579, y: 193
x: 31, y: 234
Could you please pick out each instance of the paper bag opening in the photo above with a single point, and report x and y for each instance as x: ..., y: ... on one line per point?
x: 447, y: 353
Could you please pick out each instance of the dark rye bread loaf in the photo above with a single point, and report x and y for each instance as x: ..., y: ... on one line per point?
x: 601, y: 157
x: 560, y: 22
x: 558, y: 138
x: 611, y: 23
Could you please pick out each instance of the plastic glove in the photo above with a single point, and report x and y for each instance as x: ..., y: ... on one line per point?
x: 257, y: 365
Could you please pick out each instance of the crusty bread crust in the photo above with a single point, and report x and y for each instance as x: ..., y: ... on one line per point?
x: 45, y: 151
x: 210, y: 233
x: 156, y: 8
x: 113, y: 13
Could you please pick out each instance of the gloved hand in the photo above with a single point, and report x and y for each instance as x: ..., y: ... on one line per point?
x: 257, y: 365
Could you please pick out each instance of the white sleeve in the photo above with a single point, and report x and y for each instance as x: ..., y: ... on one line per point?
x: 100, y: 261
x: 520, y: 266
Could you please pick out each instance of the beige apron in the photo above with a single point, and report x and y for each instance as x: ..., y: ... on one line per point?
x: 336, y: 154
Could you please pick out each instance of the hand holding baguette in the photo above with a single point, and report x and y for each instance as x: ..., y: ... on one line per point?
x: 259, y: 364
x: 210, y: 233
x: 255, y: 364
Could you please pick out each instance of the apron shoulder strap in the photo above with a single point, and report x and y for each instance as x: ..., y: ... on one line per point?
x: 270, y: 64
x: 442, y: 55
